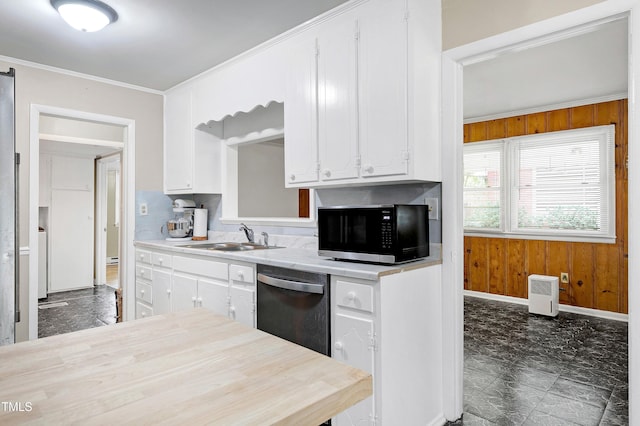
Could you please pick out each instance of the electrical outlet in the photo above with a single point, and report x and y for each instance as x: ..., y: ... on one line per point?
x: 433, y: 207
x: 564, y: 277
x: 143, y: 209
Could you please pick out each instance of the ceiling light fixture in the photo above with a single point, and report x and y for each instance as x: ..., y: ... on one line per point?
x: 85, y: 15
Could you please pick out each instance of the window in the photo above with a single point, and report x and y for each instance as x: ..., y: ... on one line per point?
x: 558, y: 185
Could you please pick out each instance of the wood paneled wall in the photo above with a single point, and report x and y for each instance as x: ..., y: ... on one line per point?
x: 598, y: 276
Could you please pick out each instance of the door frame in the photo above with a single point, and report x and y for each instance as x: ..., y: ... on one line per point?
x: 453, y: 62
x: 102, y: 169
x: 127, y: 230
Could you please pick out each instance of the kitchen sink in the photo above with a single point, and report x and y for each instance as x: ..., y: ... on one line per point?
x: 231, y: 246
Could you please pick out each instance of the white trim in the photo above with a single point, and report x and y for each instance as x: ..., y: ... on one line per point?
x: 541, y: 236
x: 36, y: 65
x: 82, y: 141
x: 546, y: 108
x: 127, y: 271
x: 24, y: 251
x: 452, y: 124
x: 563, y: 308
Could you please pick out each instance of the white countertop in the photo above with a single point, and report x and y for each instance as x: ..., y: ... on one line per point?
x: 300, y: 259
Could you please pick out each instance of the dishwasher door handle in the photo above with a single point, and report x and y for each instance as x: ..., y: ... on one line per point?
x: 291, y: 285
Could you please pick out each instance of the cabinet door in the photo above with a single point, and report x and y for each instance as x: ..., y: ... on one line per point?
x: 214, y: 295
x: 352, y: 345
x: 300, y: 119
x: 161, y: 286
x: 242, y: 307
x: 383, y: 88
x: 178, y: 141
x: 337, y: 100
x: 184, y: 292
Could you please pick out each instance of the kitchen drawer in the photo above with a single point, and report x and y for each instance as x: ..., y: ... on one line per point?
x: 143, y: 311
x: 242, y: 274
x: 143, y: 292
x: 143, y: 272
x: 207, y: 268
x: 161, y: 259
x: 354, y: 296
x: 143, y: 256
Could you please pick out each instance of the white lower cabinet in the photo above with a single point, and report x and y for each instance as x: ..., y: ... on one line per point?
x: 392, y: 328
x: 352, y: 345
x: 169, y: 283
x: 200, y: 282
x: 144, y: 288
x: 161, y: 282
x: 242, y: 293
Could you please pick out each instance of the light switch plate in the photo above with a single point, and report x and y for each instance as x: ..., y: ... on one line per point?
x: 433, y: 207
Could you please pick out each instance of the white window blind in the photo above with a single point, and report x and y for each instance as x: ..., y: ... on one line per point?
x: 560, y: 184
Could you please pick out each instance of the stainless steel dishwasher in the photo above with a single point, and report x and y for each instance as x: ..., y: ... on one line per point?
x: 294, y: 305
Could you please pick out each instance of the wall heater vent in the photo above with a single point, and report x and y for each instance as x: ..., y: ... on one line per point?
x: 543, y: 295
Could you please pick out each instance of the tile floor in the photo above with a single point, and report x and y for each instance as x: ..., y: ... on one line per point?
x: 523, y: 369
x: 76, y: 310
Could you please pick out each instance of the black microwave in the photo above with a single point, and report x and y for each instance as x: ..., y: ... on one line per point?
x: 380, y: 234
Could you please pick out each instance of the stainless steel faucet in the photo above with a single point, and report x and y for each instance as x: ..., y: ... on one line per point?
x: 266, y: 239
x: 247, y: 231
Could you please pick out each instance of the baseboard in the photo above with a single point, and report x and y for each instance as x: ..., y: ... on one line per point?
x: 563, y: 308
x: 440, y: 420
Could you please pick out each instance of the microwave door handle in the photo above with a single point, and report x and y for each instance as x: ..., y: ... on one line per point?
x: 291, y: 285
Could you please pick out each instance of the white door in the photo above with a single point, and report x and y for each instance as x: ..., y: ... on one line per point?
x: 184, y: 293
x: 383, y: 88
x: 352, y: 345
x: 214, y: 295
x: 161, y: 290
x: 300, y: 118
x: 72, y: 223
x: 337, y: 100
x: 242, y: 307
x: 178, y: 143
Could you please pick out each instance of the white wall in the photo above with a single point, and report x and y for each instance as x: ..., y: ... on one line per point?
x: 465, y: 21
x: 47, y: 87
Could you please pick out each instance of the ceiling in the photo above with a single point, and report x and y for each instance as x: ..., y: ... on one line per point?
x: 589, y: 66
x: 154, y: 44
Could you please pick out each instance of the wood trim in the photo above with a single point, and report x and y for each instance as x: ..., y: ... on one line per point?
x: 597, y: 271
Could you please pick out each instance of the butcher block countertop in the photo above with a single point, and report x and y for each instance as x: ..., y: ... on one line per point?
x: 191, y: 367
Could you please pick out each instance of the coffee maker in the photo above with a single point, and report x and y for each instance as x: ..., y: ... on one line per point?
x: 181, y: 226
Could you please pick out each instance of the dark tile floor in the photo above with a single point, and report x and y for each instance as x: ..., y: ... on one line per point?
x: 76, y: 310
x: 524, y: 369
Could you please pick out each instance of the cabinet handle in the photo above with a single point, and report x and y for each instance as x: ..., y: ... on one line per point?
x: 241, y: 275
x: 160, y: 261
x: 168, y: 291
x: 292, y: 177
x: 199, y: 301
x: 368, y: 168
x: 142, y: 257
x: 338, y: 346
x: 232, y: 311
x: 141, y: 272
x: 144, y: 314
x: 142, y: 292
x: 351, y: 296
x: 193, y: 299
x: 326, y: 173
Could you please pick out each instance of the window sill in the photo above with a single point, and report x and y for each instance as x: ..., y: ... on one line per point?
x: 543, y: 237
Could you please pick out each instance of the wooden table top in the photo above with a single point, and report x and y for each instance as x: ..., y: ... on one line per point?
x: 191, y: 367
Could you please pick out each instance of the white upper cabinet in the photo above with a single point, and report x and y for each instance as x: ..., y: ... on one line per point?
x: 300, y: 115
x: 337, y: 99
x: 383, y: 88
x: 191, y: 157
x: 178, y: 144
x: 375, y: 118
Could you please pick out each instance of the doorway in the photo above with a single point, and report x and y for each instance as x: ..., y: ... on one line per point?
x: 91, y: 147
x: 454, y: 61
x: 108, y: 212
